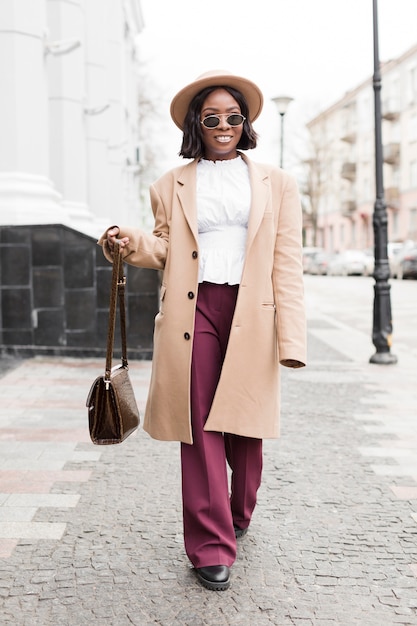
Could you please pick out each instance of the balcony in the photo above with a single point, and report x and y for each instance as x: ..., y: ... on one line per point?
x: 391, y: 109
x: 349, y: 171
x: 392, y: 198
x: 348, y: 208
x: 391, y: 153
x: 349, y: 135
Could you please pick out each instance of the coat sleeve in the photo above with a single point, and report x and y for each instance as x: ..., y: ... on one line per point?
x: 148, y: 250
x: 288, y: 279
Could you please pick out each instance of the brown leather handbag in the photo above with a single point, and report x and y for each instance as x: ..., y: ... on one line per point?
x: 112, y: 410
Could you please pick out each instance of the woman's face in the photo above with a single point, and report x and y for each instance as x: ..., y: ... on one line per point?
x: 220, y: 142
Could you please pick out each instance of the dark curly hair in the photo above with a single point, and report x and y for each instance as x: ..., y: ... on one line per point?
x: 192, y: 141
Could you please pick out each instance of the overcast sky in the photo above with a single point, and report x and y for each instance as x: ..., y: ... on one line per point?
x: 311, y: 50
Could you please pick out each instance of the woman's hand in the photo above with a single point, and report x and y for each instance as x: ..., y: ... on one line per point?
x: 112, y: 238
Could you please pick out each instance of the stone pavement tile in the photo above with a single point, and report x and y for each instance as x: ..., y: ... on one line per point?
x: 15, y: 481
x: 6, y: 549
x: 403, y: 492
x: 405, y: 430
x: 17, y: 513
x: 34, y: 455
x: 85, y: 455
x: 400, y: 469
x: 31, y: 530
x: 388, y: 451
x: 409, y: 442
x: 44, y: 434
x: 27, y: 481
x: 42, y: 500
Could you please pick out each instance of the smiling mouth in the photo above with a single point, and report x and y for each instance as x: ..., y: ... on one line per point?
x: 223, y: 138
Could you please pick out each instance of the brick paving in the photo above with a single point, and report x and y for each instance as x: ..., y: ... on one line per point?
x: 93, y: 535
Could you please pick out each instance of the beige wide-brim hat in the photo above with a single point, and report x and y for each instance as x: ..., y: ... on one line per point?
x: 216, y: 78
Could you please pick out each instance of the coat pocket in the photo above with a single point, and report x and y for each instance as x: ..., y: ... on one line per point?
x: 162, y: 293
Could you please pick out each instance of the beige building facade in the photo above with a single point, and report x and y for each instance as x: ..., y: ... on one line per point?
x: 341, y: 165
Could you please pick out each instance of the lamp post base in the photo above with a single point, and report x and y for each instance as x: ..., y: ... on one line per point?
x: 383, y: 358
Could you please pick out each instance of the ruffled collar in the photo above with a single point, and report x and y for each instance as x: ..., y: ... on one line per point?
x: 224, y: 163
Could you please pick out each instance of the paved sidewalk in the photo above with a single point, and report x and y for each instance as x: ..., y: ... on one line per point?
x: 93, y: 535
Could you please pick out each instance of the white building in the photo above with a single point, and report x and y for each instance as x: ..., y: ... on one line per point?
x: 69, y: 112
x: 342, y: 162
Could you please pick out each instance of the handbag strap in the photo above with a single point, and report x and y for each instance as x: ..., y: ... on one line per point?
x: 118, y: 283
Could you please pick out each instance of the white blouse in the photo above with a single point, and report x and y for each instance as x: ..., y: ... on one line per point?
x: 223, y: 205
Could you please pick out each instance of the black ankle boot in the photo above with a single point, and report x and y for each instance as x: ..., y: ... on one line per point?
x: 214, y: 577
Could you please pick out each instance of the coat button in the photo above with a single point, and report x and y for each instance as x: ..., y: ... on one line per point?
x: 195, y: 254
x: 190, y: 295
x: 187, y: 336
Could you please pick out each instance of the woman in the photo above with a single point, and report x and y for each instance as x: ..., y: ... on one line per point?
x: 227, y: 236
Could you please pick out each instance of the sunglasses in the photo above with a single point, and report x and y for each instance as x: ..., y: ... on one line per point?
x: 212, y: 121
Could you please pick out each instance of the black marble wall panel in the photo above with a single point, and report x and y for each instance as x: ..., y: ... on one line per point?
x: 14, y: 265
x: 54, y: 294
x: 16, y: 307
x: 13, y: 234
x: 79, y: 261
x: 103, y: 278
x: 50, y: 327
x: 47, y: 287
x: 80, y: 306
x: 46, y: 246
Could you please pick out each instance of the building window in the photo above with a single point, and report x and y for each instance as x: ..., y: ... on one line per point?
x: 367, y: 149
x: 395, y: 224
x: 331, y: 238
x: 367, y: 189
x: 412, y: 85
x: 364, y: 113
x: 413, y: 174
x: 413, y: 127
x: 395, y: 132
x: 413, y: 224
x: 395, y: 176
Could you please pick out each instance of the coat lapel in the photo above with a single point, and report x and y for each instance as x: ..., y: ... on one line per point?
x: 187, y: 195
x: 259, y: 181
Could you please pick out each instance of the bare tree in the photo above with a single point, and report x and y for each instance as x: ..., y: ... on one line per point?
x: 152, y: 149
x: 316, y: 178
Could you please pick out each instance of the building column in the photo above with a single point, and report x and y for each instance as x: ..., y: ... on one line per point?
x: 97, y: 113
x: 27, y: 194
x: 66, y: 73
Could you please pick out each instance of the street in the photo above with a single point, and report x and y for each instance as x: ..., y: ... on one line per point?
x: 349, y: 300
x: 92, y: 535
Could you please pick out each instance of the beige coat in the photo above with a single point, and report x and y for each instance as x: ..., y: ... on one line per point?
x: 269, y: 322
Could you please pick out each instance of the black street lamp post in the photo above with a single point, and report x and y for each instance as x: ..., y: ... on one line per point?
x: 382, y: 318
x: 282, y: 102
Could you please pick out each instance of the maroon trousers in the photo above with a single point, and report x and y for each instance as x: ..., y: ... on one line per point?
x: 209, y: 511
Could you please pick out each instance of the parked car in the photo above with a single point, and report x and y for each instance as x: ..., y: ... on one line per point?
x: 393, y: 249
x: 369, y: 262
x: 319, y: 263
x: 308, y: 253
x: 407, y: 264
x: 396, y: 260
x: 348, y: 263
